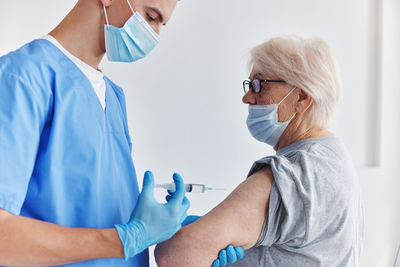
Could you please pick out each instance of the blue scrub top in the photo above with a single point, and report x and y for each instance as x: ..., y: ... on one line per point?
x: 63, y: 159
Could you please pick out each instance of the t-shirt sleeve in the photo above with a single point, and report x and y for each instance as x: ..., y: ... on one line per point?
x: 23, y: 114
x: 285, y: 222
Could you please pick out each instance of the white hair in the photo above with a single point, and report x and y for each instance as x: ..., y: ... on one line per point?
x: 307, y: 63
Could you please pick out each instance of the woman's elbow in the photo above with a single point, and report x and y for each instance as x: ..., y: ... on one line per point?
x: 182, y: 250
x: 170, y: 253
x: 160, y: 256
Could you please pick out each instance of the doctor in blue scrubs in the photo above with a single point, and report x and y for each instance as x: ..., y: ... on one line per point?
x: 68, y: 188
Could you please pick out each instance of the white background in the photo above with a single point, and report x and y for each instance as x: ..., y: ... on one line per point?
x: 184, y: 99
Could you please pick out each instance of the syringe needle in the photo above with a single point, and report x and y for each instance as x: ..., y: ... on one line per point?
x: 211, y: 188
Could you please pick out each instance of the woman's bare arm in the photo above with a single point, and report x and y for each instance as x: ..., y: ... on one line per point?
x: 238, y: 220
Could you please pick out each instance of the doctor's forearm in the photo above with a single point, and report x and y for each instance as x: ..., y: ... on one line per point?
x: 28, y: 242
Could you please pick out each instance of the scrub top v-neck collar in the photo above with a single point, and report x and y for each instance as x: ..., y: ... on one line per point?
x: 101, y: 114
x: 94, y: 76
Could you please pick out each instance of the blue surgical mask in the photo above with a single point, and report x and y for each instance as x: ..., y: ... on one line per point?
x: 131, y: 42
x: 263, y: 123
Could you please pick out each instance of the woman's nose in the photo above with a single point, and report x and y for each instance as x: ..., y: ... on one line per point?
x: 249, y: 98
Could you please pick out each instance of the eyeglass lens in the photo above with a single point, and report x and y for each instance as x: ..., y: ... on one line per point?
x: 256, y: 85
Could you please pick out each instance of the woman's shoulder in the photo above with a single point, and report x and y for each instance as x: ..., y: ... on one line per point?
x: 311, y: 162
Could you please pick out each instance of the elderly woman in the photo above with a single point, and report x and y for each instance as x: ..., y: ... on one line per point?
x: 301, y: 206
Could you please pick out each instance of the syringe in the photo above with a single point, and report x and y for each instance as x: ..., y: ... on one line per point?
x: 192, y: 188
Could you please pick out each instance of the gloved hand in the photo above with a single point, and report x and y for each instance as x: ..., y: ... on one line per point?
x: 152, y: 222
x: 190, y: 219
x: 228, y: 255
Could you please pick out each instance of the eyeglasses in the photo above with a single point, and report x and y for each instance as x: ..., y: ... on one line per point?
x: 255, y: 85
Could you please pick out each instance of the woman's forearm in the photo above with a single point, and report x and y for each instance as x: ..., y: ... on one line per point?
x: 238, y: 220
x: 29, y: 242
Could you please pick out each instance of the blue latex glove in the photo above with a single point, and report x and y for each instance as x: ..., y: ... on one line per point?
x: 228, y: 255
x: 190, y: 219
x: 152, y: 222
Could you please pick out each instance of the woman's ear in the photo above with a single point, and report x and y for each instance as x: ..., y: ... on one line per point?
x: 304, y: 102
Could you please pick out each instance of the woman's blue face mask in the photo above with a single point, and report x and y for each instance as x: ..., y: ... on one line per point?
x: 263, y: 123
x: 132, y: 42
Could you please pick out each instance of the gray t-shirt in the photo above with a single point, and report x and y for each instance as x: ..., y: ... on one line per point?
x: 315, y: 215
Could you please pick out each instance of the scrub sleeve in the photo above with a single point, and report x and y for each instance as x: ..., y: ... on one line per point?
x: 23, y: 114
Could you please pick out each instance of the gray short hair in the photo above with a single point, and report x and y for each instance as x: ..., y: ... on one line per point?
x: 307, y: 63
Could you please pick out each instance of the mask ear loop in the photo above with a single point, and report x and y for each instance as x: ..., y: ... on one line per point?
x: 287, y: 95
x: 105, y: 10
x: 105, y: 13
x: 291, y: 118
x: 129, y: 4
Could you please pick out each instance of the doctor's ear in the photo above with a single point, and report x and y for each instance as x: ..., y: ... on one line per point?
x: 304, y: 102
x: 106, y: 3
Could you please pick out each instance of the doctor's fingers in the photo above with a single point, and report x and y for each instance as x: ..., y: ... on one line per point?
x: 148, y: 184
x: 185, y: 206
x: 223, y: 261
x: 239, y: 252
x: 231, y: 254
x: 215, y: 263
x: 184, y: 201
x: 179, y: 194
x: 169, y: 196
x: 180, y: 209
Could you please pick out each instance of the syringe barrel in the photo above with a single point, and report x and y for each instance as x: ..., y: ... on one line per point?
x: 196, y: 188
x: 190, y: 188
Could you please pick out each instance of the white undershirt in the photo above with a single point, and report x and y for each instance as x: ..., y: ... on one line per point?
x: 94, y: 76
